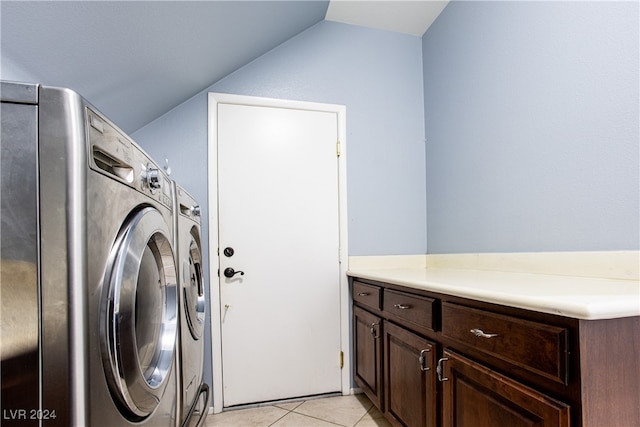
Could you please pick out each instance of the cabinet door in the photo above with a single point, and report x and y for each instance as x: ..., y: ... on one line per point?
x: 367, y: 338
x: 410, y: 384
x: 476, y: 396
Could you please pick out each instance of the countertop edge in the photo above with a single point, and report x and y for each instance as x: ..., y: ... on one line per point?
x: 614, y: 305
x: 621, y: 264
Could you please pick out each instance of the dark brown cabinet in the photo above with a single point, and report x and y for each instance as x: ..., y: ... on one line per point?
x: 410, y: 383
x: 430, y: 359
x: 413, y: 311
x: 536, y: 346
x: 367, y: 354
x: 474, y: 395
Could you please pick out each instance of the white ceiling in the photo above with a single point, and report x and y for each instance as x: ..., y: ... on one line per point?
x: 410, y: 17
x: 136, y: 60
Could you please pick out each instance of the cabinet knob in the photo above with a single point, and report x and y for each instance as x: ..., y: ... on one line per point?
x: 480, y: 333
x: 363, y: 294
x: 401, y: 306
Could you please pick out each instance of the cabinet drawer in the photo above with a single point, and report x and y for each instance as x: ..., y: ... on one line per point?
x: 368, y: 295
x: 409, y: 308
x: 534, y: 346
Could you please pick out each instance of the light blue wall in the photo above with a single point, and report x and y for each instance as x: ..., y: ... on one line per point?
x: 11, y: 71
x: 531, y: 121
x: 377, y: 75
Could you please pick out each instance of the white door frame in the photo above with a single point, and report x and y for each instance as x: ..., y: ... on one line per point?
x: 214, y: 99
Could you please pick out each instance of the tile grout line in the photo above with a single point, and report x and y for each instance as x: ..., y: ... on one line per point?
x: 304, y: 415
x: 320, y: 419
x: 362, y: 417
x: 288, y: 412
x: 331, y: 422
x: 295, y: 411
x: 365, y: 414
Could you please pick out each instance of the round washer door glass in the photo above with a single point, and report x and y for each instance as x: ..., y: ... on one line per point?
x: 139, y: 314
x: 193, y: 286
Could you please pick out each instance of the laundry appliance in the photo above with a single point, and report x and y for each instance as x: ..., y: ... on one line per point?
x: 192, y: 308
x: 89, y: 276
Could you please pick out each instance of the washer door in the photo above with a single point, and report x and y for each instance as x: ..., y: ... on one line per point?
x: 193, y: 287
x: 139, y: 314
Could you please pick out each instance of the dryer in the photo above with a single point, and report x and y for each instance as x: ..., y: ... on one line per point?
x: 192, y: 309
x: 91, y: 275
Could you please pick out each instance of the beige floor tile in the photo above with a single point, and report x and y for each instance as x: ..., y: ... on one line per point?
x: 373, y: 422
x: 375, y: 413
x: 342, y: 410
x: 253, y: 417
x: 289, y: 406
x: 373, y: 418
x: 294, y: 419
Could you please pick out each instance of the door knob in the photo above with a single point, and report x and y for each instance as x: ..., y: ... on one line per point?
x: 230, y: 272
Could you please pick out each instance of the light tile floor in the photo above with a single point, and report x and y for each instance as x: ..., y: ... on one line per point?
x: 345, y: 411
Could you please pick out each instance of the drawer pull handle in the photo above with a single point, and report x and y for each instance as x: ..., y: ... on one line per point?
x: 363, y: 294
x: 374, y: 332
x: 480, y: 333
x: 401, y: 307
x: 439, y: 369
x: 423, y: 359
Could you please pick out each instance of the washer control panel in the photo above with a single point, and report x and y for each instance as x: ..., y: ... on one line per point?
x: 114, y: 154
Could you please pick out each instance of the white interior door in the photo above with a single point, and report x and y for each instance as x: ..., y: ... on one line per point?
x: 278, y: 211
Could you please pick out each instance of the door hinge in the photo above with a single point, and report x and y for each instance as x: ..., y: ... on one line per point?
x: 341, y: 359
x: 338, y: 148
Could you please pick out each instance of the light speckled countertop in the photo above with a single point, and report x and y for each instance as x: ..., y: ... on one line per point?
x: 577, y: 297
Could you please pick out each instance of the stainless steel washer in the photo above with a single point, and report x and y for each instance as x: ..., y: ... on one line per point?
x: 195, y: 393
x: 90, y: 268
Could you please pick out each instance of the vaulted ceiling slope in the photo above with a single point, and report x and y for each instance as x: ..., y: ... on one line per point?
x: 137, y: 60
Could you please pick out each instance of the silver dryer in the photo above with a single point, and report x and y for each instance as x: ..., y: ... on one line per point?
x: 89, y: 279
x: 195, y: 393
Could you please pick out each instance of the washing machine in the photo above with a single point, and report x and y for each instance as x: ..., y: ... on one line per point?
x: 192, y: 309
x: 89, y: 274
